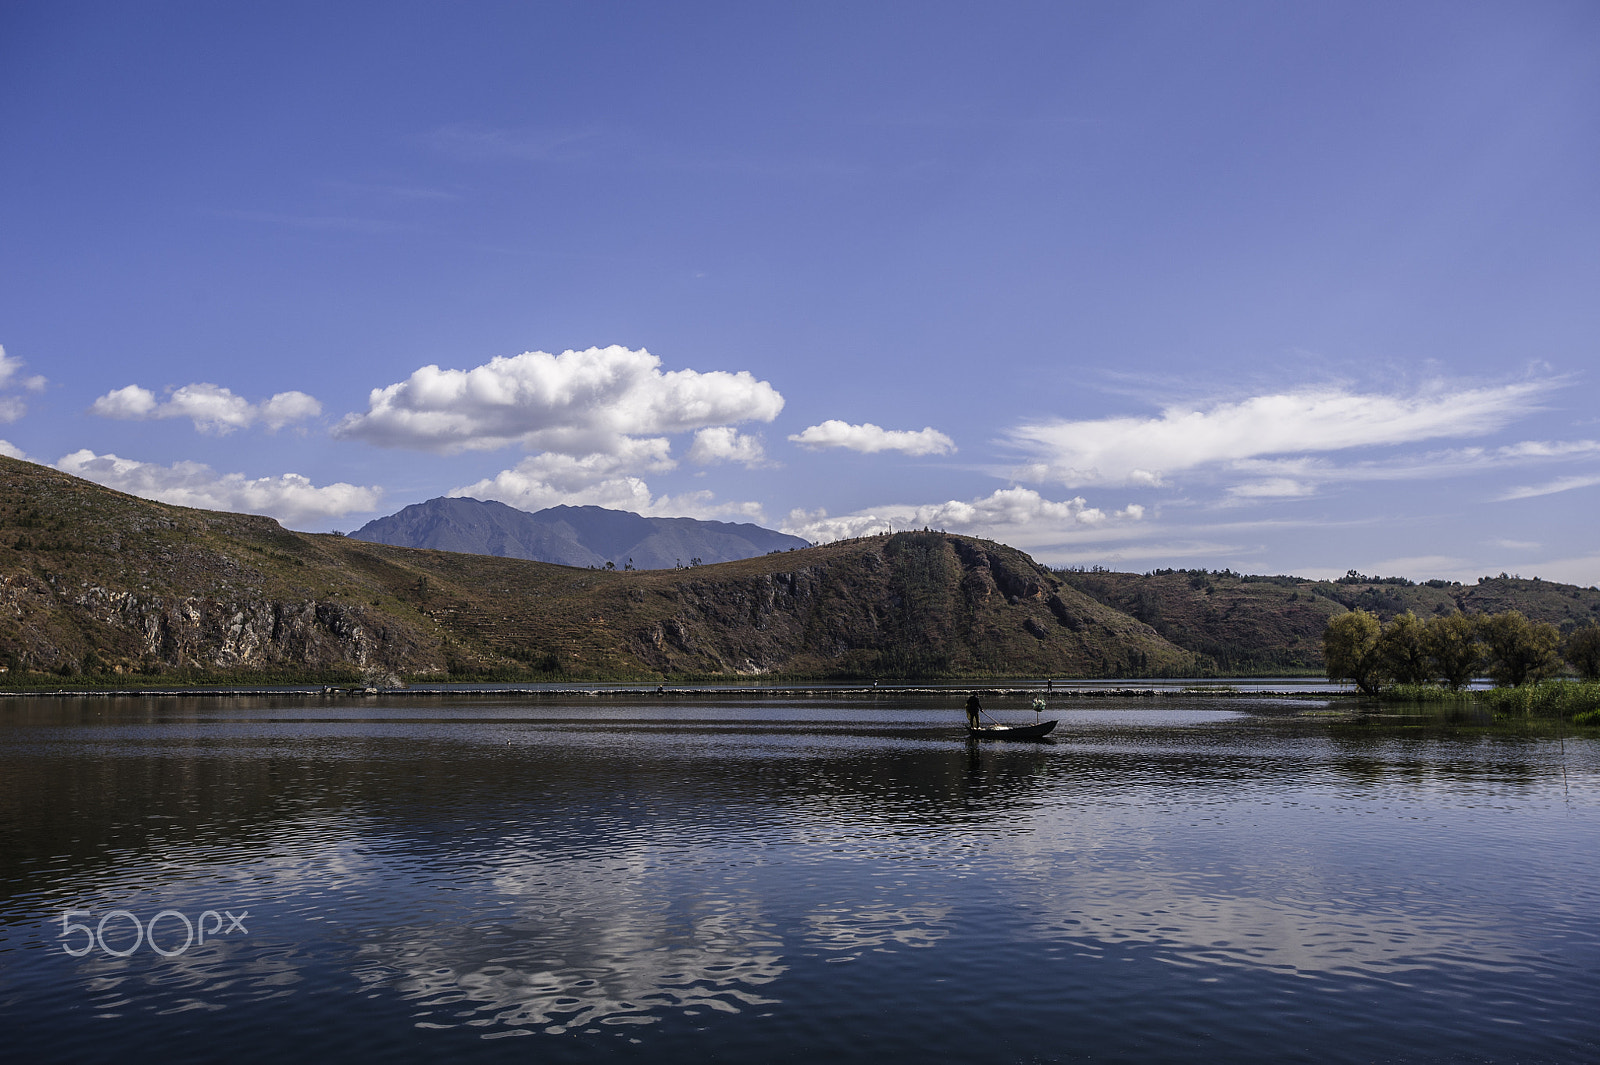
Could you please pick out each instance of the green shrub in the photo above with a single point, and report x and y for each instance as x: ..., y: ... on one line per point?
x: 1548, y: 698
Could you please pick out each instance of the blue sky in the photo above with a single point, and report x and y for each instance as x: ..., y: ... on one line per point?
x: 1277, y: 287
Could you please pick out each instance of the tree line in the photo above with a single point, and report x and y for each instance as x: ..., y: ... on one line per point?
x: 1454, y: 648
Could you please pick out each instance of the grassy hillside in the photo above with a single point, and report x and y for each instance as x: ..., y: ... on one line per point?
x: 97, y: 583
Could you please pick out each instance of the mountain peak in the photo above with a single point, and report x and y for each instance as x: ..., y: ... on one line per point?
x: 571, y: 535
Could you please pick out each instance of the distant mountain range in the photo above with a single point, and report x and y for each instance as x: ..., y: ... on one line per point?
x: 572, y: 536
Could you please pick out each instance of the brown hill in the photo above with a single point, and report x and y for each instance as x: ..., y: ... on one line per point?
x: 95, y: 581
x: 1251, y: 624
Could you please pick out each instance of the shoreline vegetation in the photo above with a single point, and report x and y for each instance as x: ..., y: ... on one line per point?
x: 1431, y: 662
x: 1575, y: 700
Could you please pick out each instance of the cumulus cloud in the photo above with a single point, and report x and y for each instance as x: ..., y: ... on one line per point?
x: 291, y: 498
x: 212, y: 408
x: 1147, y: 451
x: 598, y: 480
x: 724, y: 443
x: 870, y: 438
x: 576, y: 403
x: 12, y: 451
x: 1014, y: 515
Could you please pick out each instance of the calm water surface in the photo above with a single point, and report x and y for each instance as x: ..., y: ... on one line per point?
x: 548, y: 879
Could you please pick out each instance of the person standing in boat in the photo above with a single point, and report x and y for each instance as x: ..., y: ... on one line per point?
x: 974, y: 708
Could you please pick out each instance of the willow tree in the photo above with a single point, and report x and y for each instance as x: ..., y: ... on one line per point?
x: 1520, y: 651
x: 1454, y: 647
x: 1403, y: 648
x: 1581, y: 649
x: 1350, y: 647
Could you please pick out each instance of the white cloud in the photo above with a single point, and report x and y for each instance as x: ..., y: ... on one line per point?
x: 598, y: 480
x: 12, y: 451
x: 724, y: 443
x: 10, y: 366
x: 1560, y: 484
x: 14, y: 407
x: 870, y: 438
x: 288, y: 407
x: 212, y: 408
x: 131, y: 403
x: 291, y: 498
x: 1018, y: 516
x: 1273, y: 488
x: 1302, y: 476
x: 575, y: 403
x: 1122, y: 451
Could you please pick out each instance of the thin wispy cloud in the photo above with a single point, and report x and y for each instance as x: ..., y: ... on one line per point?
x: 1152, y: 451
x: 314, y: 222
x: 869, y: 438
x: 1560, y: 484
x: 212, y: 408
x: 290, y: 497
x: 12, y: 406
x: 477, y: 141
x: 1304, y: 476
x: 11, y: 374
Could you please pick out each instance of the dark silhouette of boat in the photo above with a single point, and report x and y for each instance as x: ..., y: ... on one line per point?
x: 1012, y: 732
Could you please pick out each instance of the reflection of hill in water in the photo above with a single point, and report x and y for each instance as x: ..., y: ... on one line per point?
x: 97, y: 780
x: 590, y: 859
x: 139, y: 776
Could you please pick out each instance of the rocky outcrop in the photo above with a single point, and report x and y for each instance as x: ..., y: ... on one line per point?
x: 126, y: 630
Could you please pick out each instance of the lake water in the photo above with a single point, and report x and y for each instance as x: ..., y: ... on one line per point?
x: 549, y: 879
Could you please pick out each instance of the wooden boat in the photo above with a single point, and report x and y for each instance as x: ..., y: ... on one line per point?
x: 1012, y: 732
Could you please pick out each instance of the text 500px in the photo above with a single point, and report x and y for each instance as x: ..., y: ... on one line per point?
x: 210, y: 923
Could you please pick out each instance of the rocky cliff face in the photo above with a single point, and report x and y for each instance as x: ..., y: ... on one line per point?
x: 124, y: 631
